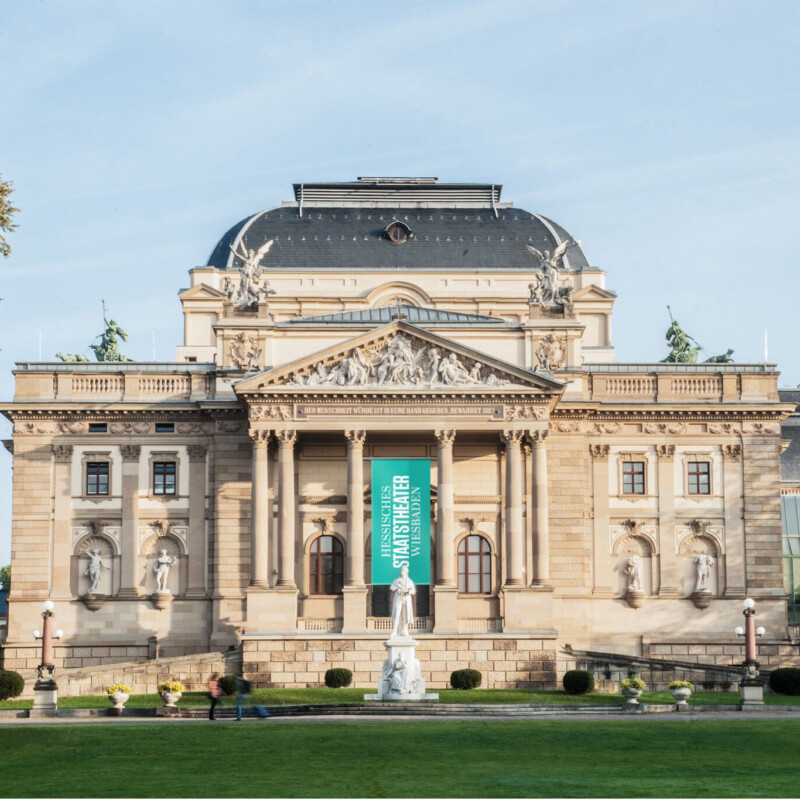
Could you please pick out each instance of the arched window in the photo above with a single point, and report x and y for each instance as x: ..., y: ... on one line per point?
x: 326, y: 570
x: 474, y: 565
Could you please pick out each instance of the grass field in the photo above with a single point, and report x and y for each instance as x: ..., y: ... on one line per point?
x: 277, y: 697
x: 629, y: 758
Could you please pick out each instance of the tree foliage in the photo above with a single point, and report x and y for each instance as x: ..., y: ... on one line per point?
x: 5, y: 577
x: 7, y: 211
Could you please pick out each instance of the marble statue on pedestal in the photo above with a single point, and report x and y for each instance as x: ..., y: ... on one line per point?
x: 161, y: 568
x: 403, y: 590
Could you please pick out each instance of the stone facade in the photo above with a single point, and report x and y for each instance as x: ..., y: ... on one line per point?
x: 234, y: 460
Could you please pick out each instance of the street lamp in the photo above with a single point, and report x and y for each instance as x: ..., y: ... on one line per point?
x: 751, y: 686
x: 45, y: 690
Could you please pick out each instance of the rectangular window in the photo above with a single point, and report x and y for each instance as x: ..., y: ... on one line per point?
x: 97, y: 477
x: 165, y: 427
x: 699, y: 474
x: 98, y: 427
x: 633, y: 477
x: 164, y: 477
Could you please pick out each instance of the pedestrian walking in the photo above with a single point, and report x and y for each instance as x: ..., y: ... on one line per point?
x: 242, y: 695
x: 214, y: 692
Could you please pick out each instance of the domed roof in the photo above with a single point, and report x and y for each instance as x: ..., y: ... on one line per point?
x: 354, y: 233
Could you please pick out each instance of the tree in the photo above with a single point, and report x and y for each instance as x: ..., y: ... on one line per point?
x: 7, y: 211
x: 5, y: 577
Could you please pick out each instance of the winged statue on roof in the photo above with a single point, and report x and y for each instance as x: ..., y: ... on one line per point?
x: 545, y: 289
x: 249, y: 289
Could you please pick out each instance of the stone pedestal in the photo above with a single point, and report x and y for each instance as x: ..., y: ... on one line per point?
x: 355, y: 609
x: 45, y: 699
x: 751, y: 686
x: 702, y: 599
x: 271, y: 610
x: 162, y: 599
x: 635, y: 598
x: 401, y: 679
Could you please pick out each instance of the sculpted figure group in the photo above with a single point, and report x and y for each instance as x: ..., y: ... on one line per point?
x: 545, y: 290
x: 249, y: 289
x: 398, y: 363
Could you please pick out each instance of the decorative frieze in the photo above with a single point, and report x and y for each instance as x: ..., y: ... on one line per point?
x: 599, y: 452
x: 270, y: 412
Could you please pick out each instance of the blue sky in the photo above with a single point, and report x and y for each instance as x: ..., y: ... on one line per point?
x: 663, y: 135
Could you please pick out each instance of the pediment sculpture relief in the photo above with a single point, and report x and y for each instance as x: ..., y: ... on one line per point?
x: 401, y: 361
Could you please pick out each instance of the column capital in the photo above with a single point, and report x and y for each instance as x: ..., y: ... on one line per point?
x: 197, y: 452
x: 62, y: 453
x: 513, y: 438
x: 599, y: 452
x: 665, y: 452
x: 130, y: 452
x: 286, y: 438
x: 445, y: 437
x: 731, y: 452
x: 538, y: 437
x: 355, y: 438
x: 260, y: 436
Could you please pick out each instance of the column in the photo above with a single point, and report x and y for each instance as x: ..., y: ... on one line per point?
x: 666, y: 521
x: 260, y: 514
x: 445, y: 558
x: 196, y: 540
x: 129, y: 535
x: 734, y: 523
x: 541, y: 519
x: 62, y: 518
x: 354, y: 561
x: 601, y: 524
x: 514, y: 527
x: 286, y: 510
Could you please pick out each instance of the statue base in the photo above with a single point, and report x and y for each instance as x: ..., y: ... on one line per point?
x: 161, y: 599
x: 702, y: 599
x: 94, y: 601
x: 400, y: 679
x: 45, y: 699
x: 635, y: 598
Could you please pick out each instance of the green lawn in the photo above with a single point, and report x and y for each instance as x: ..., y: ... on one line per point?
x: 674, y: 757
x: 276, y: 697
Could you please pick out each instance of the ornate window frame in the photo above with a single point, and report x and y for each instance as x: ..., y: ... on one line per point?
x: 161, y: 456
x: 492, y: 562
x: 626, y: 458
x: 325, y: 532
x: 698, y: 456
x: 96, y: 457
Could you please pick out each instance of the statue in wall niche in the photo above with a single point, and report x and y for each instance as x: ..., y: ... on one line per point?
x: 161, y: 568
x: 634, y: 571
x: 702, y: 566
x: 93, y: 570
x: 402, y: 603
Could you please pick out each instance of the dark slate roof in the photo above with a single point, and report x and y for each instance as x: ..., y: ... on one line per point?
x: 790, y: 429
x: 380, y: 316
x: 352, y: 238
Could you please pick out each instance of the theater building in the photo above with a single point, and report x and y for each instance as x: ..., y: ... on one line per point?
x: 574, y: 500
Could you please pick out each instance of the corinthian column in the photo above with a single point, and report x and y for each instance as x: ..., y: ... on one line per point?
x: 286, y: 440
x: 354, y: 561
x: 541, y: 520
x: 62, y: 517
x: 445, y: 572
x: 259, y: 535
x: 129, y: 538
x: 514, y: 528
x: 197, y: 520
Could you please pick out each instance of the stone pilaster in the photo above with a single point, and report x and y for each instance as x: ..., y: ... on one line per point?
x: 355, y: 590
x: 196, y: 543
x: 668, y: 584
x: 129, y: 534
x: 541, y: 518
x: 735, y: 552
x: 601, y: 530
x: 514, y: 527
x: 62, y: 517
x: 286, y: 509
x: 260, y: 514
x: 446, y: 589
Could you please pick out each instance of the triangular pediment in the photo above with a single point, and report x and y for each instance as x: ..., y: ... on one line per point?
x: 201, y: 292
x: 399, y: 356
x: 592, y: 292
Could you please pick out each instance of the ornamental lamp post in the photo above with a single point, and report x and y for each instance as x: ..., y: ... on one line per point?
x: 751, y: 685
x: 45, y: 690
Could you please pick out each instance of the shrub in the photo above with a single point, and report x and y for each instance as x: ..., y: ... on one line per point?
x: 632, y: 683
x: 11, y: 684
x: 118, y: 687
x: 227, y: 683
x: 175, y: 687
x: 465, y: 679
x: 578, y: 681
x: 338, y: 678
x: 681, y: 685
x: 785, y: 680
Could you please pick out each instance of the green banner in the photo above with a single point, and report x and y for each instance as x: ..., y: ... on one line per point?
x: 401, y: 519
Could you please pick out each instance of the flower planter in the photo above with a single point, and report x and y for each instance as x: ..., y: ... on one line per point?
x: 119, y: 699
x: 171, y: 698
x: 681, y: 695
x: 632, y: 696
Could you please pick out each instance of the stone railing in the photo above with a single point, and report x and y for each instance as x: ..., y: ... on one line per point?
x: 107, y: 386
x: 330, y: 625
x: 633, y: 386
x: 480, y: 625
x: 707, y: 386
x: 385, y: 624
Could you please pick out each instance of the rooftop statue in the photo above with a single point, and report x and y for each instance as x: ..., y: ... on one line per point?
x: 108, y: 349
x: 681, y: 349
x: 249, y: 290
x: 545, y: 290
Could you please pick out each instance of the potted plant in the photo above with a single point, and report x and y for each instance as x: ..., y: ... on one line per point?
x: 171, y: 692
x: 681, y: 691
x: 632, y: 689
x: 118, y: 694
